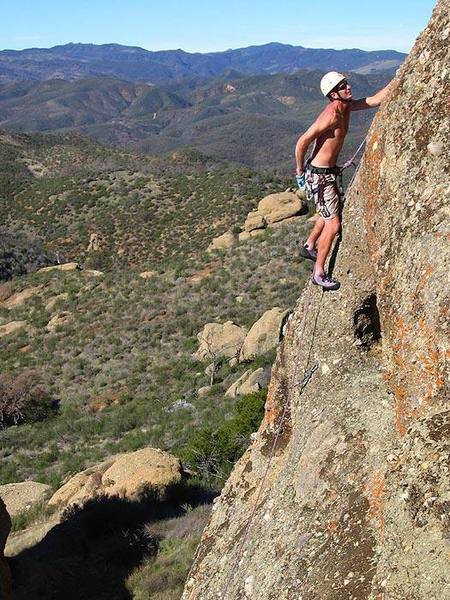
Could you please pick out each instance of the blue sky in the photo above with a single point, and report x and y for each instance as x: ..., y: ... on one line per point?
x: 214, y: 25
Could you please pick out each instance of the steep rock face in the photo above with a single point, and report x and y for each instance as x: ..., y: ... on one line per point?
x: 352, y: 503
x: 5, y: 574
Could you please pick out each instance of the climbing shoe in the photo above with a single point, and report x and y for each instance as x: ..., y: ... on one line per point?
x: 325, y: 282
x: 307, y: 253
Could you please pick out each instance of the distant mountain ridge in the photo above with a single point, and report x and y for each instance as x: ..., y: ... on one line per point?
x: 77, y: 61
x: 254, y: 120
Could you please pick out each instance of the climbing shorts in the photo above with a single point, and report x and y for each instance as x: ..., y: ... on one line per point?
x: 322, y: 188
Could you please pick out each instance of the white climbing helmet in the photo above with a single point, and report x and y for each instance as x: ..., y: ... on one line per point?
x: 330, y: 81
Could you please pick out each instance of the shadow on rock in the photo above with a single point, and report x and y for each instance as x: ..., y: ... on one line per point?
x: 92, y: 551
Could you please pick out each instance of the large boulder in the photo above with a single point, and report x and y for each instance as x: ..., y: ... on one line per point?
x: 249, y: 382
x: 5, y: 574
x: 19, y: 497
x: 275, y: 210
x: 223, y: 242
x: 220, y: 340
x: 59, y: 320
x: 72, y: 266
x: 148, y: 467
x: 11, y: 327
x: 125, y: 475
x: 254, y: 220
x: 19, y: 298
x: 51, y: 302
x: 147, y: 274
x: 280, y: 206
x: 263, y: 335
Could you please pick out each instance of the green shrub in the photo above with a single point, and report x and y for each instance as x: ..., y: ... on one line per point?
x: 212, y: 453
x: 38, y: 512
x: 163, y: 578
x: 24, y: 399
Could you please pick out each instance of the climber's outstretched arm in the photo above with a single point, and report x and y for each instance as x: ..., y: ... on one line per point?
x: 371, y: 101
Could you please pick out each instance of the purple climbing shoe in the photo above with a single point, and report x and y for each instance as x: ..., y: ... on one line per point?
x: 325, y: 282
x: 307, y: 253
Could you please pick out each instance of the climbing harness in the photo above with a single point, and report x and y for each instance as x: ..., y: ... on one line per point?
x: 319, y: 179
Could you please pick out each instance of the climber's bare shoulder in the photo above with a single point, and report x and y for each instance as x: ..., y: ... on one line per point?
x: 327, y: 121
x: 328, y: 118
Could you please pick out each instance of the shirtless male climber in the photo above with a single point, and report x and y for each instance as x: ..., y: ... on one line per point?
x: 319, y: 173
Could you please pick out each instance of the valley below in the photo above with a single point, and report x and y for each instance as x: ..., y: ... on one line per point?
x: 152, y: 301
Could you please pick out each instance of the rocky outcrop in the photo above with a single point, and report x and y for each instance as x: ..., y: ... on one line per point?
x: 222, y: 242
x: 264, y: 335
x: 12, y: 327
x: 351, y: 504
x: 19, y: 497
x: 220, y: 340
x: 246, y: 235
x: 126, y: 475
x: 149, y: 467
x: 51, y: 302
x: 72, y: 266
x: 254, y: 220
x: 59, y: 320
x: 19, y: 298
x: 250, y: 381
x: 274, y: 210
x: 280, y: 206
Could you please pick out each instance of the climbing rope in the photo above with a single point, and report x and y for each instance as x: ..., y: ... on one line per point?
x: 351, y: 161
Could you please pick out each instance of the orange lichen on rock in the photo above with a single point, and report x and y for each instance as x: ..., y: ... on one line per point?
x: 374, y: 491
x: 402, y: 329
x: 372, y: 192
x: 279, y: 393
x: 273, y: 407
x: 402, y: 412
x: 439, y: 235
x: 422, y: 282
x: 419, y: 374
x: 332, y: 526
x: 431, y: 361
